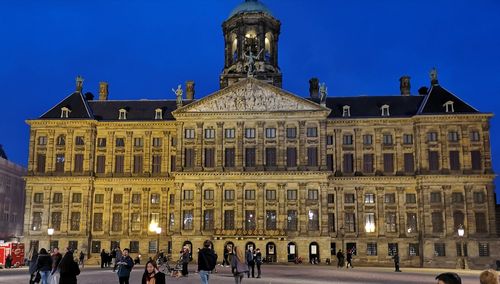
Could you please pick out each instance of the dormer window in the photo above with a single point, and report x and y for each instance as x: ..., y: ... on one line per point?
x: 385, y: 110
x: 65, y: 112
x: 158, y: 113
x: 346, y: 111
x: 122, y: 115
x: 448, y: 106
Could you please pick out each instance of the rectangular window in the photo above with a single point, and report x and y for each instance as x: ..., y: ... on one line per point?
x: 440, y: 249
x: 229, y: 195
x: 138, y: 164
x: 291, y: 220
x: 368, y: 163
x: 172, y: 199
x: 457, y: 197
x: 189, y: 133
x: 413, y: 249
x: 99, y: 198
x: 55, y: 221
x: 189, y: 157
x: 250, y: 223
x: 475, y: 160
x: 156, y: 164
x: 155, y: 198
x: 271, y: 194
x: 350, y: 222
x: 369, y: 198
x: 230, y: 133
x: 454, y: 161
x: 388, y: 163
x: 270, y: 157
x: 136, y: 198
x: 291, y: 132
x: 390, y: 222
x: 138, y: 142
x: 96, y: 246
x: 313, y: 220
x: 409, y: 164
x: 407, y: 139
x: 249, y: 133
x: 348, y: 163
x: 481, y: 226
x: 331, y: 222
x: 210, y: 157
x: 479, y: 197
x: 187, y: 220
x: 101, y: 142
x: 42, y: 140
x: 411, y: 198
x: 157, y: 141
x: 312, y: 156
x: 432, y: 136
x: 97, y: 224
x: 76, y: 197
x: 188, y: 194
x: 291, y: 157
x: 135, y: 222
x: 172, y: 163
x: 271, y: 220
x: 435, y: 197
x: 75, y: 221
x: 312, y: 132
x: 312, y: 194
x: 209, y: 133
x: 101, y: 164
x: 249, y: 194
x: 329, y: 162
x: 453, y: 136
x: 291, y: 194
x: 134, y: 246
x: 40, y: 163
x: 370, y: 222
x: 392, y: 249
x: 474, y: 136
x: 208, y: 219
x: 329, y: 140
x: 229, y: 157
x: 411, y: 223
x: 437, y: 222
x: 57, y: 198
x: 387, y: 139
x: 120, y: 142
x: 433, y: 160
x: 60, y: 163
x: 229, y: 219
x: 152, y: 247
x: 78, y: 163
x: 79, y: 141
x: 116, y: 222
x: 38, y: 197
x: 119, y: 164
x: 36, y: 224
x: 270, y: 133
x: 209, y: 194
x: 349, y: 198
x: 390, y: 198
x: 249, y: 157
x: 367, y: 139
x: 484, y: 249
x: 117, y: 198
x: 371, y: 249
x: 330, y: 198
x: 347, y: 139
x: 171, y: 221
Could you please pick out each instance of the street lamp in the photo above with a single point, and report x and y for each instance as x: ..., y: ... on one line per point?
x: 158, y: 232
x: 461, y: 233
x: 50, y: 232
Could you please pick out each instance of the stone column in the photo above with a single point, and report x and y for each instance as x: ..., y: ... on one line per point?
x: 260, y: 147
x: 146, y: 209
x: 219, y: 158
x: 167, y: 149
x: 108, y: 201
x: 129, y: 144
x: 444, y: 154
x: 110, y: 150
x: 323, y: 210
x: 302, y: 163
x: 179, y: 156
x: 449, y: 230
x: 358, y: 152
x: 486, y: 148
x: 398, y: 156
x: 380, y: 211
x: 51, y: 157
x: 219, y: 199
x: 490, y: 199
x: 302, y: 218
x: 401, y: 210
x: 178, y: 208
x: 338, y: 150
x: 198, y: 209
x: 339, y: 203
x: 378, y: 154
x: 240, y: 149
x: 282, y: 212
x: 281, y: 146
x: 239, y: 207
x: 260, y: 195
x: 126, y: 215
x: 147, y: 165
x: 322, y: 145
x: 198, y: 163
x: 360, y: 216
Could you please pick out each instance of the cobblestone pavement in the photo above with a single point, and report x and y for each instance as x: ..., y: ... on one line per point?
x: 272, y: 274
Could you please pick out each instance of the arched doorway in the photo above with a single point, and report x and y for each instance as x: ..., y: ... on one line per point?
x: 228, y: 253
x: 313, y: 252
x: 271, y: 252
x: 250, y: 245
x: 189, y: 245
x: 292, y: 251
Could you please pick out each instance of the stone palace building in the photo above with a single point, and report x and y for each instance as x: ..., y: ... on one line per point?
x: 255, y: 165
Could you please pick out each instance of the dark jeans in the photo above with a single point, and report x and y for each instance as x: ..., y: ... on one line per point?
x: 258, y: 268
x: 251, y: 266
x: 184, y: 269
x: 123, y: 280
x: 396, y: 266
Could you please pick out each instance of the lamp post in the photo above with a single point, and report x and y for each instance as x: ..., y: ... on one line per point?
x: 461, y: 233
x: 50, y: 232
x: 158, y: 232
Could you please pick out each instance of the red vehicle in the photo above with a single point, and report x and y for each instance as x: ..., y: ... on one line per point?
x: 16, y: 250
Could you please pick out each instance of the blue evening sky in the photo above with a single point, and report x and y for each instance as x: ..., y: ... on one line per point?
x: 144, y: 48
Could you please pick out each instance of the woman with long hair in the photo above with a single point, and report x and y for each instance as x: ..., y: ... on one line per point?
x: 152, y: 275
x: 32, y: 256
x: 68, y: 269
x: 44, y: 265
x: 239, y: 265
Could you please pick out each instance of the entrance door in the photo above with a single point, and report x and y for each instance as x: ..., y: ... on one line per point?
x: 271, y: 252
x: 292, y: 252
x: 313, y: 252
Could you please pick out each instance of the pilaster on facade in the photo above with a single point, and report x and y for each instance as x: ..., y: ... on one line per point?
x: 281, y: 149
x: 260, y: 150
x: 219, y: 151
x: 302, y: 145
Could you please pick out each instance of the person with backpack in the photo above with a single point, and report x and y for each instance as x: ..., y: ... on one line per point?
x: 206, y: 261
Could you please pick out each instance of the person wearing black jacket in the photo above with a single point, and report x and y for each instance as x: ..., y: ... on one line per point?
x: 151, y: 272
x: 68, y: 269
x: 44, y: 265
x: 206, y: 261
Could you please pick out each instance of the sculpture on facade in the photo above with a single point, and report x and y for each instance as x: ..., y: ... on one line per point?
x: 178, y: 95
x: 250, y: 61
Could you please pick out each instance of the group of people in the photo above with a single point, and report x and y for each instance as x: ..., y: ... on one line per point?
x: 341, y: 258
x: 486, y: 277
x: 53, y: 268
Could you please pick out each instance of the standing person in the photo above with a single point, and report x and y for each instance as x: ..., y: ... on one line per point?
x: 125, y: 264
x: 152, y: 275
x: 44, y: 265
x: 33, y: 256
x: 56, y: 259
x: 8, y: 261
x: 239, y: 266
x: 340, y: 257
x: 81, y: 258
x: 396, y: 262
x: 448, y: 278
x: 118, y: 256
x: 104, y: 258
x: 225, y: 260
x: 112, y: 258
x: 185, y: 257
x: 258, y: 261
x: 206, y: 261
x: 68, y: 268
x: 349, y: 258
x: 250, y: 262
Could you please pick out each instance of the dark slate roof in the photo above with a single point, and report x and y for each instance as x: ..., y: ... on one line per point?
x: 2, y: 153
x: 136, y: 110
x: 76, y: 103
x: 437, y: 97
x: 370, y: 106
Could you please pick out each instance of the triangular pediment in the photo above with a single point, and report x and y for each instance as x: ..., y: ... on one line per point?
x: 251, y: 95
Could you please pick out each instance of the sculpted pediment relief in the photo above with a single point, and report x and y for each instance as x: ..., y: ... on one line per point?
x: 251, y: 96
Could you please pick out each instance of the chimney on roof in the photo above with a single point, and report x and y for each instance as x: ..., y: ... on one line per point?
x: 434, y: 77
x: 314, y: 88
x: 423, y: 91
x: 103, y: 91
x: 190, y: 90
x: 79, y: 83
x: 404, y: 85
x: 89, y: 96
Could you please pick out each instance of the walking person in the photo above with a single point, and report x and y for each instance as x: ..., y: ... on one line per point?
x: 68, y: 268
x: 81, y: 258
x: 104, y: 258
x: 185, y: 257
x: 125, y: 264
x: 152, y: 275
x: 56, y: 259
x: 206, y: 261
x: 225, y: 260
x: 250, y: 262
x: 258, y: 261
x: 396, y: 262
x: 44, y: 265
x: 118, y: 256
x: 349, y: 259
x: 239, y: 266
x: 340, y: 258
x: 33, y: 256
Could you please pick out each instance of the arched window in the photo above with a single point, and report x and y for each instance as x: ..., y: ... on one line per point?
x: 448, y: 106
x: 268, y: 47
x: 346, y: 111
x: 158, y: 114
x: 122, y: 114
x: 65, y: 112
x: 234, y: 48
x: 385, y: 110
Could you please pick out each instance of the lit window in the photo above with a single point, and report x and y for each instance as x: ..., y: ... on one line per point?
x: 189, y: 133
x: 158, y: 113
x: 369, y: 198
x: 448, y: 106
x: 249, y: 132
x: 122, y: 114
x: 270, y: 132
x: 370, y: 222
x: 65, y: 112
x: 385, y: 110
x: 209, y: 133
x: 346, y: 111
x: 230, y: 133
